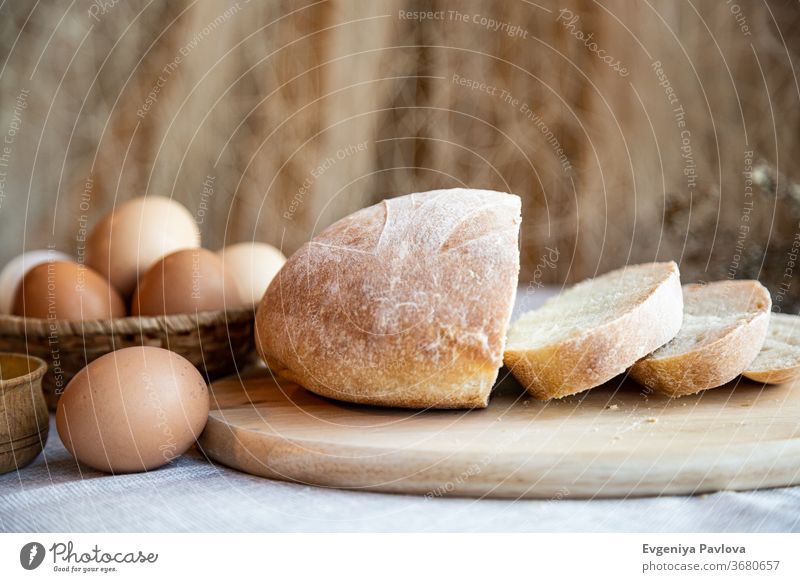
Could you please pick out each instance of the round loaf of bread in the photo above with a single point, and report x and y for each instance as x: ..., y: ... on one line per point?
x: 405, y: 303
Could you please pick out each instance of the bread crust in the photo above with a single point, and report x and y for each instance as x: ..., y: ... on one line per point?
x: 597, y: 354
x: 405, y: 303
x: 720, y: 355
x: 777, y: 376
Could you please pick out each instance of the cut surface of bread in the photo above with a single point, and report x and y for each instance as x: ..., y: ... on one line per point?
x: 779, y: 358
x: 724, y: 326
x: 595, y: 330
x: 405, y: 303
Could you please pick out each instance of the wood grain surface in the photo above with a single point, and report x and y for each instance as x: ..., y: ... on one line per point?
x: 257, y: 128
x: 613, y: 441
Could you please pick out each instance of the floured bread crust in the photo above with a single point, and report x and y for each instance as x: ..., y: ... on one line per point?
x: 595, y: 330
x: 724, y: 326
x: 405, y: 303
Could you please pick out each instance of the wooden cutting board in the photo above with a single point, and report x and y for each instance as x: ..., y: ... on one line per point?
x: 614, y: 441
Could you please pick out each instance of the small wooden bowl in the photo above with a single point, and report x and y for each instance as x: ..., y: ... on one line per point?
x: 24, y: 420
x: 217, y: 342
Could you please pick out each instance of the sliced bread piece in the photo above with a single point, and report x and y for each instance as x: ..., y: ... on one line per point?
x: 724, y: 326
x: 779, y: 358
x: 595, y: 330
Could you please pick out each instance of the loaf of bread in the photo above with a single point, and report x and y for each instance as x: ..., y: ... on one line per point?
x: 405, y: 303
x: 595, y: 330
x: 779, y: 358
x: 724, y: 326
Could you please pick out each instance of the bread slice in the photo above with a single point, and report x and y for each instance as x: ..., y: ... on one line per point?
x: 779, y: 358
x: 595, y: 330
x: 724, y: 326
x: 405, y: 303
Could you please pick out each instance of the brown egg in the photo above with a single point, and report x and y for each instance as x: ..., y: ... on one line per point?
x: 66, y: 290
x: 136, y: 234
x: 185, y: 281
x: 133, y: 410
x: 253, y: 265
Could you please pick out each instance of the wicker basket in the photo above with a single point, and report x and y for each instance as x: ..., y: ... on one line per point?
x: 216, y: 342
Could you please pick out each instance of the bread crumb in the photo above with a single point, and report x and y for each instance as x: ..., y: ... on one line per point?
x: 652, y: 420
x: 612, y: 407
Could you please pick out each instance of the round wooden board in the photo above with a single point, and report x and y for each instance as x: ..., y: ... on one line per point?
x: 613, y: 441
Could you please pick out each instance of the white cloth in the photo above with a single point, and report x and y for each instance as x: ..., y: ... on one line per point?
x: 193, y: 495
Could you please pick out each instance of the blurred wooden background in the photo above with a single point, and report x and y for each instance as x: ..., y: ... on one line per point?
x: 672, y: 132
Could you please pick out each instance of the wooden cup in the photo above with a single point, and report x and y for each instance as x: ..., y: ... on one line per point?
x: 24, y: 420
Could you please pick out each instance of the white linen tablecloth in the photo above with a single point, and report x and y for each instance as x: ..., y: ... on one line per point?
x: 54, y: 494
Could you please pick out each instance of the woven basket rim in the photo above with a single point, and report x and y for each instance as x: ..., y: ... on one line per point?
x: 14, y: 325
